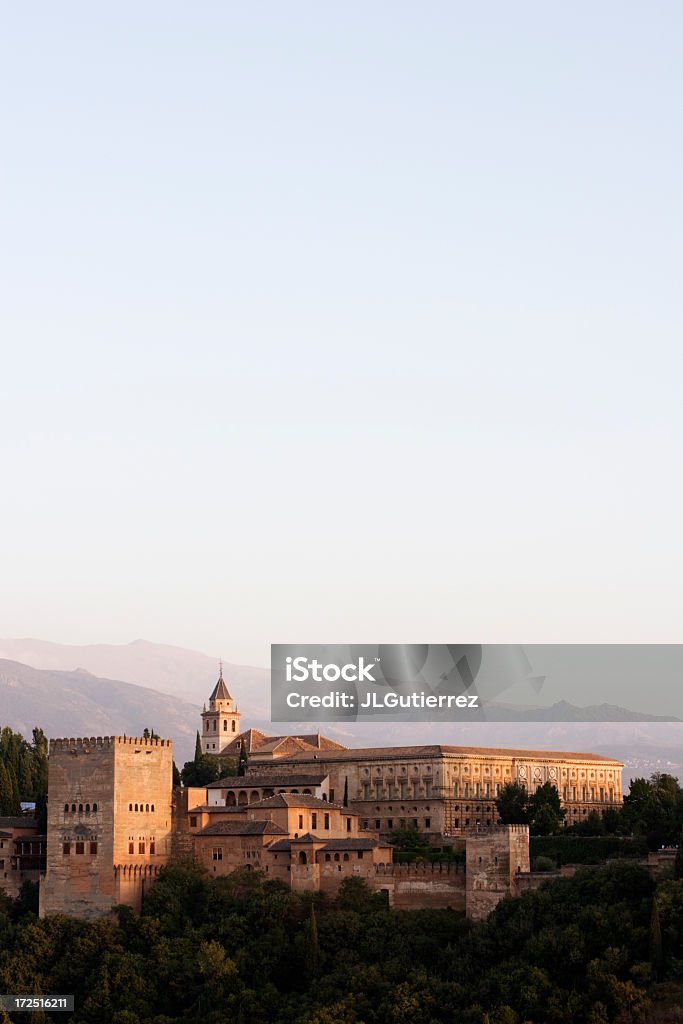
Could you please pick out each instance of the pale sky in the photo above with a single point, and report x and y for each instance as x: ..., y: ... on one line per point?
x: 341, y: 323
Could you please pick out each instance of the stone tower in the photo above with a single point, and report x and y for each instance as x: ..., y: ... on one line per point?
x: 221, y: 723
x: 109, y: 822
x: 494, y: 859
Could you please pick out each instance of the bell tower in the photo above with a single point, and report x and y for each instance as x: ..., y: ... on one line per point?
x: 221, y: 722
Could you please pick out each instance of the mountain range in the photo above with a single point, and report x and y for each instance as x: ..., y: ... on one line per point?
x: 106, y: 689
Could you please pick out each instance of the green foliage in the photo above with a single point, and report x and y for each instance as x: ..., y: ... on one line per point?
x: 244, y: 760
x: 592, y: 949
x: 410, y: 843
x: 206, y: 769
x: 512, y: 804
x: 573, y: 849
x: 23, y: 771
x: 546, y: 813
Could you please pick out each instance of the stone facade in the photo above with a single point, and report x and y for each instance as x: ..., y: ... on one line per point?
x: 22, y: 853
x: 450, y: 791
x: 109, y: 822
x: 495, y: 859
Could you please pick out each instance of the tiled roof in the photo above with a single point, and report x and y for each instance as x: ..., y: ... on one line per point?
x: 265, y: 781
x: 353, y: 844
x: 256, y: 741
x: 307, y: 838
x: 439, y: 750
x: 281, y: 846
x: 243, y: 828
x: 18, y: 821
x: 296, y: 800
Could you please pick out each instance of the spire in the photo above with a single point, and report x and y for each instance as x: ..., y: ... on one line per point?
x: 220, y: 690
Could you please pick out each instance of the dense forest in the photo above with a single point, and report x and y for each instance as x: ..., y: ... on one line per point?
x: 603, y: 946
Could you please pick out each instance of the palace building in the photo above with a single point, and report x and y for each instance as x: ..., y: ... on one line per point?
x: 308, y: 812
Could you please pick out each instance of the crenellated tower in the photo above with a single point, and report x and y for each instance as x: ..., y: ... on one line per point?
x: 221, y: 721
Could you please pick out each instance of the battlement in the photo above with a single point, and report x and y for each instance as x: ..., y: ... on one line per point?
x: 496, y: 830
x: 84, y: 744
x: 421, y: 870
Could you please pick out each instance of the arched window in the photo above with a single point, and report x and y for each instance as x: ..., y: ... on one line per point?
x: 336, y: 856
x: 94, y: 808
x: 87, y: 808
x: 147, y: 808
x: 130, y: 807
x: 234, y: 725
x: 302, y: 858
x: 328, y: 857
x: 136, y: 807
x: 80, y: 808
x: 346, y: 856
x: 152, y: 808
x: 66, y: 808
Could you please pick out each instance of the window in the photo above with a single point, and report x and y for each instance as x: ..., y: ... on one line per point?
x: 193, y: 821
x: 80, y: 808
x: 331, y: 796
x: 87, y: 808
x: 327, y: 821
x: 147, y: 808
x: 136, y: 807
x: 314, y: 820
x: 80, y: 848
x: 377, y: 823
x: 66, y: 849
x: 131, y: 847
x: 214, y: 725
x: 390, y: 822
x: 152, y: 847
x: 328, y: 857
x: 348, y: 824
x: 233, y: 725
x: 66, y: 808
x: 73, y: 808
x: 428, y: 822
x: 301, y: 821
x: 141, y: 847
x: 225, y: 725
x: 217, y: 853
x: 94, y: 808
x: 93, y: 847
x: 152, y: 808
x: 346, y: 856
x: 360, y: 855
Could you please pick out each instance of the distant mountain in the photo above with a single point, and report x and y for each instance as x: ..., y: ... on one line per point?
x: 79, y: 687
x: 80, y: 704
x: 189, y: 675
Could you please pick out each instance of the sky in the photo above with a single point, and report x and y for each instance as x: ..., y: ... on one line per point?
x: 342, y: 323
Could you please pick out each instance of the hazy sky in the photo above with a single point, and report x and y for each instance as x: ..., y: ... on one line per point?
x: 341, y: 323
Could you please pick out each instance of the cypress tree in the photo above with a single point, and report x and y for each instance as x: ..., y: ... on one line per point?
x: 244, y: 760
x: 198, y: 748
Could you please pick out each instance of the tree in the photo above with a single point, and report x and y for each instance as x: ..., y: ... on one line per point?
x: 512, y: 804
x: 176, y: 776
x: 545, y: 810
x: 244, y: 760
x: 409, y: 840
x: 197, y: 748
x: 656, y: 950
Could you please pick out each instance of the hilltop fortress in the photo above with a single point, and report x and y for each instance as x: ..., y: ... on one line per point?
x: 308, y: 812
